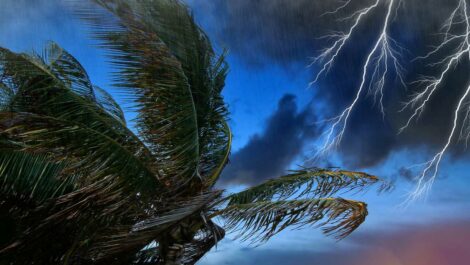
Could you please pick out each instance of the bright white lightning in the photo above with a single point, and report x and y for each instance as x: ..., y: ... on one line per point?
x: 385, y: 53
x: 429, y: 174
x: 419, y: 101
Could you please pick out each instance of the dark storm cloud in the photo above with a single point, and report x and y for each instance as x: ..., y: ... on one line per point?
x: 266, y: 32
x: 268, y: 154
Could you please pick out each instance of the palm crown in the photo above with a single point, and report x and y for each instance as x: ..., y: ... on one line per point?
x: 72, y: 174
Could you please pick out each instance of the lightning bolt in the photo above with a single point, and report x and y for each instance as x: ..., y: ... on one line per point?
x: 418, y: 102
x: 384, y: 55
x: 385, y: 52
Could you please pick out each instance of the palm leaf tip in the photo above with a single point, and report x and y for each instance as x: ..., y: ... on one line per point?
x: 346, y: 216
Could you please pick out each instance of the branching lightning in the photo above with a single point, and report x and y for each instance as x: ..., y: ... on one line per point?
x: 385, y: 52
x: 418, y: 102
x: 379, y: 62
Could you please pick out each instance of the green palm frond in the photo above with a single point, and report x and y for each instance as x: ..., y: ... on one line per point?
x: 121, y: 241
x: 66, y: 68
x: 204, y: 240
x: 154, y: 80
x: 71, y: 72
x: 68, y: 223
x: 262, y: 220
x: 52, y: 97
x: 106, y: 101
x: 205, y: 70
x: 92, y: 151
x: 31, y: 177
x: 38, y: 88
x: 202, y: 243
x: 220, y: 155
x: 27, y: 182
x: 314, y: 182
x: 192, y: 79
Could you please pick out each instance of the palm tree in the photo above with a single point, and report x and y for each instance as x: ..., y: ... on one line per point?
x: 78, y: 186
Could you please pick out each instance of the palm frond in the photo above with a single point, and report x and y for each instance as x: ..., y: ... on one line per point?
x: 219, y: 156
x: 43, y: 93
x: 106, y: 101
x: 72, y: 74
x: 121, y: 240
x: 314, y: 182
x: 154, y: 80
x: 31, y: 177
x: 192, y: 252
x: 206, y: 72
x: 153, y: 33
x: 72, y: 220
x: 202, y: 243
x: 66, y: 68
x: 262, y: 220
x: 48, y: 89
x: 92, y: 152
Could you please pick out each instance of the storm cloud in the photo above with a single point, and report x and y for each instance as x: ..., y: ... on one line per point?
x: 283, y: 32
x: 269, y: 153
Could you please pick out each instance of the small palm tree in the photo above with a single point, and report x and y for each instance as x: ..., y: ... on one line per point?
x: 77, y: 186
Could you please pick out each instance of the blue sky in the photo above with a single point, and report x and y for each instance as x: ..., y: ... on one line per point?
x: 268, y: 69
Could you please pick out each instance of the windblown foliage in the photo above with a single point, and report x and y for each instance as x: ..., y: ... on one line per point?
x: 72, y: 173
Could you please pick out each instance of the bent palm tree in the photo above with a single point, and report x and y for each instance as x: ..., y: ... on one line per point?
x: 79, y: 187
